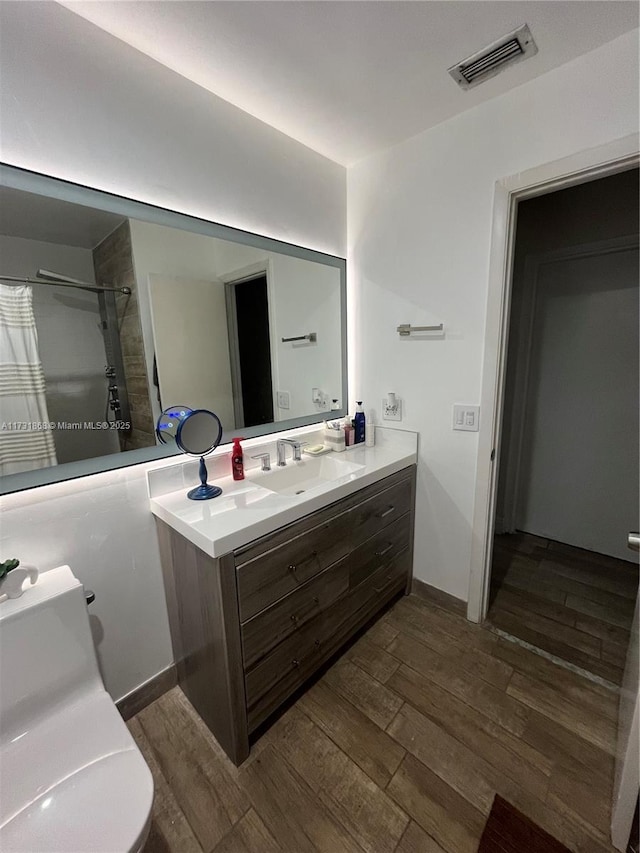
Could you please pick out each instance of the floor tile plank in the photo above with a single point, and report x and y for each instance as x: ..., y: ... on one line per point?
x: 434, y: 629
x: 210, y: 800
x: 170, y: 829
x: 249, y: 835
x: 374, y: 699
x: 291, y: 811
x: 453, y: 762
x: 364, y: 742
x: 600, y: 699
x: 372, y: 659
x: 438, y: 809
x: 564, y: 600
x: 416, y: 840
x: 489, y: 700
x: 510, y: 756
x: 609, y: 612
x: 363, y: 808
x: 541, y: 697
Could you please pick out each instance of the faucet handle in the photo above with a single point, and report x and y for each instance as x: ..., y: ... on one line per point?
x: 265, y: 459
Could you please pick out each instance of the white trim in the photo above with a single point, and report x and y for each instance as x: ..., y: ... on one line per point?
x: 508, y: 521
x: 586, y: 165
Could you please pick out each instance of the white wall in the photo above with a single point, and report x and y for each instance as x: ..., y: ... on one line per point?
x: 78, y: 104
x: 419, y: 227
x: 70, y: 342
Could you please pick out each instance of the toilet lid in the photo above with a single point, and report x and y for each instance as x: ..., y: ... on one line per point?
x: 76, y: 783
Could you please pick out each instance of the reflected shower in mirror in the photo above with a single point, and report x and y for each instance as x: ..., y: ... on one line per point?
x: 127, y: 308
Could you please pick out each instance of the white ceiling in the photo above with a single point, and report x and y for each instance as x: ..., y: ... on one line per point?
x: 350, y: 77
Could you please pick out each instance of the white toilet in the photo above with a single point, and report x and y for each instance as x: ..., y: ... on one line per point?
x: 72, y: 779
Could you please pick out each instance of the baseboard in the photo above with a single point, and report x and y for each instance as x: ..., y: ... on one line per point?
x: 439, y: 597
x: 147, y: 693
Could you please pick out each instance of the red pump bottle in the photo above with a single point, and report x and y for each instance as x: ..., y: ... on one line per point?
x: 237, y: 461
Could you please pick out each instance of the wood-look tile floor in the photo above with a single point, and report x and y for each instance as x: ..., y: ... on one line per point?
x: 400, y: 746
x: 574, y: 604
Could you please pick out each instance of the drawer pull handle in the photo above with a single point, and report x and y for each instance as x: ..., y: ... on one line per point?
x: 316, y: 600
x: 294, y: 619
x: 387, y: 512
x: 384, y: 550
x: 384, y: 586
x: 317, y: 644
x: 293, y: 568
x: 295, y: 662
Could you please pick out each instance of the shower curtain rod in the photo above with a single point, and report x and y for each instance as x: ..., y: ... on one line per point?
x: 82, y: 285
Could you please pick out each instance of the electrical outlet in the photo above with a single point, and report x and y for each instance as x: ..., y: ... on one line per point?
x: 392, y: 411
x: 466, y: 418
x: 284, y: 400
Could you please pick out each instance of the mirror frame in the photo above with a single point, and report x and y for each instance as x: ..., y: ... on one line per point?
x: 39, y: 184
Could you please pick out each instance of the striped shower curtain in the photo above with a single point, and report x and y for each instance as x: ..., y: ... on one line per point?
x: 26, y: 441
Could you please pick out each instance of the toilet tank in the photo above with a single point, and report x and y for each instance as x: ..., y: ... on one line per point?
x: 47, y: 655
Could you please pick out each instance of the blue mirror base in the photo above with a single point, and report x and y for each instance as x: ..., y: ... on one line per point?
x: 204, y: 493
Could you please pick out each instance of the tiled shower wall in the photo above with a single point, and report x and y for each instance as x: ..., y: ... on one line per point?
x: 113, y: 264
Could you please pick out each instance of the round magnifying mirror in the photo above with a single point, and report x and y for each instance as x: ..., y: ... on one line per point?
x: 199, y: 433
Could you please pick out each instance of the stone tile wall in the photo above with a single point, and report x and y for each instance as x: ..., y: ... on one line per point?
x: 113, y: 264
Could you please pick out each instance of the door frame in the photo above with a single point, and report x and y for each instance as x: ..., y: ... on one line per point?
x: 231, y: 279
x: 520, y: 395
x: 617, y: 156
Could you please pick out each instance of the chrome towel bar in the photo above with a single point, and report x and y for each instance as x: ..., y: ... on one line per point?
x: 312, y: 337
x: 406, y: 328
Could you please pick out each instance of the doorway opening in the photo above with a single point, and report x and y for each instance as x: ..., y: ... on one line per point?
x: 566, y: 497
x: 250, y: 350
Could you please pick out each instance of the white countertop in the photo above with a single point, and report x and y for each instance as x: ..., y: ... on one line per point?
x: 246, y: 510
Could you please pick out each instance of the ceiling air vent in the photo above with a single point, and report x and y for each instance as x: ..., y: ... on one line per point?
x: 491, y: 60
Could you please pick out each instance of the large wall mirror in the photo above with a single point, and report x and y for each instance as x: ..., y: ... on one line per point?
x: 112, y: 310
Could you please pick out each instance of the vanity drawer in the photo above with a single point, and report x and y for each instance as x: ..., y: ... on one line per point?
x: 291, y: 613
x: 276, y: 573
x: 379, y: 550
x: 275, y: 565
x: 380, y: 510
x: 293, y: 661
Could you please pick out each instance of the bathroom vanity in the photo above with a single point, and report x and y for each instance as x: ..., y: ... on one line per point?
x: 251, y: 625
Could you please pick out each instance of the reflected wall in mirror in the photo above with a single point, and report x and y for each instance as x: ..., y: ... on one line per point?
x: 107, y: 317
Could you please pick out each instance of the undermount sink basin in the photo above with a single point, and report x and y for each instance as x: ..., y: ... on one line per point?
x: 299, y: 477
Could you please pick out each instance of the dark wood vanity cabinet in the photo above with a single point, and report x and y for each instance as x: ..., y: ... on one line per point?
x: 251, y: 627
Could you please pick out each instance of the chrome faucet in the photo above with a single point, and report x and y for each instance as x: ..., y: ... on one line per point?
x: 281, y: 450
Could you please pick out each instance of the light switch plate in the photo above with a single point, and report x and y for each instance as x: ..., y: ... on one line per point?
x: 466, y: 418
x: 284, y: 400
x: 392, y: 413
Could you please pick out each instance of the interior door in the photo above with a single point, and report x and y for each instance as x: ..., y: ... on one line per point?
x: 627, y: 781
x: 191, y: 344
